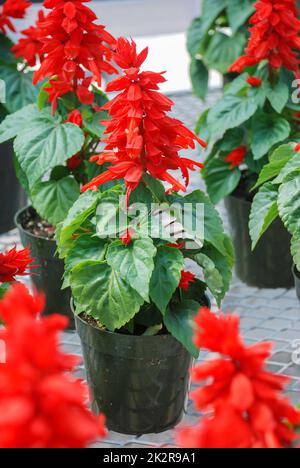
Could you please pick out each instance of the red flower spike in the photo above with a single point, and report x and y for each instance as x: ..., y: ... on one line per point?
x: 297, y: 148
x: 142, y: 137
x: 29, y: 47
x: 12, y: 9
x: 41, y: 404
x: 74, y: 48
x: 274, y: 36
x: 237, y: 156
x: 236, y: 390
x: 186, y: 279
x: 14, y: 263
x: 75, y: 117
x: 254, y: 81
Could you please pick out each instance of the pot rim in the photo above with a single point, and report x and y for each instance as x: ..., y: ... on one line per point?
x: 28, y: 233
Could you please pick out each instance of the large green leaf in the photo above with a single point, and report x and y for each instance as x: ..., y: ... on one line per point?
x: 220, y: 179
x: 53, y: 199
x: 295, y: 249
x: 104, y: 294
x: 267, y: 131
x: 45, y: 143
x: 212, y: 276
x: 278, y: 95
x: 19, y: 89
x: 169, y: 263
x: 210, y: 11
x: 92, y: 123
x: 195, y: 36
x: 223, y: 50
x: 278, y: 161
x: 230, y: 112
x: 134, y: 263
x: 293, y: 164
x: 179, y: 320
x: 199, y: 77
x: 239, y: 12
x: 264, y: 211
x: 15, y: 123
x: 289, y: 202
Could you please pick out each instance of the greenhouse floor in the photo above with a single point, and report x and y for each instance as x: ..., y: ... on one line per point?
x: 265, y: 315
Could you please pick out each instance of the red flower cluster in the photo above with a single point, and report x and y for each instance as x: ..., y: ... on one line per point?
x: 41, y: 405
x: 142, y: 136
x: 29, y: 47
x: 186, y: 279
x: 75, y: 117
x: 14, y: 263
x: 244, y: 399
x: 237, y: 156
x: 12, y: 9
x: 274, y: 36
x: 73, y: 44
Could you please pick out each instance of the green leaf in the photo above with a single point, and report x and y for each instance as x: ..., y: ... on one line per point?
x: 53, y: 199
x: 223, y: 50
x: 278, y: 161
x: 199, y: 77
x: 13, y: 124
x: 293, y: 164
x: 104, y: 294
x: 156, y: 187
x: 169, y: 263
x: 295, y: 249
x: 45, y: 143
x: 19, y: 89
x: 134, y: 263
x: 263, y: 212
x: 179, y: 321
x: 267, y: 131
x: 4, y: 287
x: 6, y: 55
x: 210, y: 11
x: 92, y: 123
x: 230, y: 112
x: 220, y: 179
x: 212, y: 275
x: 278, y: 95
x: 289, y: 202
x: 195, y: 36
x: 239, y: 11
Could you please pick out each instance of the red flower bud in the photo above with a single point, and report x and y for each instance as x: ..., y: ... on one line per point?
x: 254, y: 81
x: 75, y: 117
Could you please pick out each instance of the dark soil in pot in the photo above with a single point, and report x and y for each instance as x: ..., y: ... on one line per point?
x: 140, y: 383
x: 12, y: 195
x: 47, y: 276
x: 270, y: 264
x: 297, y: 281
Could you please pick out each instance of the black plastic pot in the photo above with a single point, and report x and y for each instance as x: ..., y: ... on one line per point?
x: 297, y: 281
x: 270, y: 264
x: 12, y: 195
x: 47, y: 276
x: 140, y: 383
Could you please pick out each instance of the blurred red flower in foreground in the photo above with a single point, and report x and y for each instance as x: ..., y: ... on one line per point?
x: 41, y: 405
x: 237, y: 156
x: 274, y: 36
x: 29, y: 47
x: 14, y: 263
x: 12, y: 9
x: 143, y: 138
x: 73, y: 46
x: 243, y: 401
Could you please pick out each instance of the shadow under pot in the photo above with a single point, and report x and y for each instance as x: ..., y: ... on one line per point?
x: 140, y: 383
x: 270, y: 264
x: 47, y: 276
x: 297, y: 281
x: 12, y: 195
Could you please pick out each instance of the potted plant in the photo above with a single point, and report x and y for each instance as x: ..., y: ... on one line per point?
x: 125, y: 252
x: 278, y: 196
x: 16, y: 91
x: 255, y: 114
x: 216, y: 39
x: 53, y: 144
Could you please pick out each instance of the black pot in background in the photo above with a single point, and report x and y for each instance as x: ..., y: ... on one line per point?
x: 47, y: 276
x: 12, y: 195
x: 270, y: 264
x: 140, y: 383
x: 297, y: 281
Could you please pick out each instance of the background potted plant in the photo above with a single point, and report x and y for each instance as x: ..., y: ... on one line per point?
x: 53, y: 146
x: 278, y: 196
x: 132, y: 296
x: 255, y: 114
x: 216, y: 39
x: 16, y: 90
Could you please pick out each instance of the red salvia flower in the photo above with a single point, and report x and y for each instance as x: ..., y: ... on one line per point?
x: 74, y: 162
x: 73, y: 46
x: 186, y: 279
x: 237, y: 156
x: 29, y: 47
x: 14, y: 263
x: 297, y: 148
x: 243, y: 400
x: 142, y: 137
x: 254, y: 81
x: 75, y: 117
x: 12, y: 9
x: 41, y: 404
x: 126, y: 238
x: 274, y: 36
